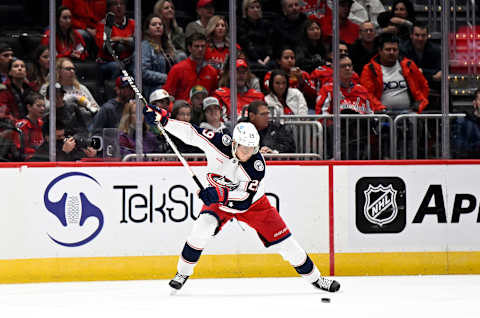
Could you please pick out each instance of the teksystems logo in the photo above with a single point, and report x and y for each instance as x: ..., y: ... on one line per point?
x: 380, y: 205
x: 73, y: 209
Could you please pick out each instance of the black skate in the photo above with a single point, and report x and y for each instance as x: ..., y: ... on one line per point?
x: 178, y: 281
x: 325, y: 284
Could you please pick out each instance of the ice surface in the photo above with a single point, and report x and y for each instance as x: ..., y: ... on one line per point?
x: 382, y: 296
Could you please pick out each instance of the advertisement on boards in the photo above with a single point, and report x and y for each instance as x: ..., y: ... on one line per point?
x: 407, y: 208
x: 137, y: 211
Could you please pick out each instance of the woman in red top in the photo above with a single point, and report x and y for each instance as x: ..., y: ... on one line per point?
x: 297, y: 78
x: 68, y: 41
x: 218, y: 43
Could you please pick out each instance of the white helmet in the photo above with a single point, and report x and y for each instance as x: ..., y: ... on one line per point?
x: 247, y: 135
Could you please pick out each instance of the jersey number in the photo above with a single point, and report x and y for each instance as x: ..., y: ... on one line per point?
x: 253, y: 186
x: 208, y: 133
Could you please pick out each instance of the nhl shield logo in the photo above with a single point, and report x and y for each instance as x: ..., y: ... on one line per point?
x: 380, y: 204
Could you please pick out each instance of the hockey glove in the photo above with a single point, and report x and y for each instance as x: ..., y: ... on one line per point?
x: 154, y: 115
x: 211, y: 195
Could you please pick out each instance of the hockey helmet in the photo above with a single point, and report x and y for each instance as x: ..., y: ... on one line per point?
x: 247, y: 135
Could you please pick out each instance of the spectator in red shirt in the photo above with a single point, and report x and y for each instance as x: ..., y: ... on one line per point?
x: 14, y: 90
x: 122, y: 41
x: 31, y: 125
x: 192, y: 71
x: 69, y: 43
x: 354, y: 99
x: 85, y: 16
x: 245, y: 94
x: 348, y: 30
x: 218, y: 43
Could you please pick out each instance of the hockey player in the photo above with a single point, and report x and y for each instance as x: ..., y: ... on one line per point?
x: 235, y: 173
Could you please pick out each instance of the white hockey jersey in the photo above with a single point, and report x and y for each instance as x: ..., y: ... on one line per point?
x: 244, y: 179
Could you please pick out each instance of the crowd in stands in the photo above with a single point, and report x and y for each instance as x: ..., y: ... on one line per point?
x: 387, y: 64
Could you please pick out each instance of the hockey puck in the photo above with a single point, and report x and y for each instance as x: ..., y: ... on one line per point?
x: 325, y: 300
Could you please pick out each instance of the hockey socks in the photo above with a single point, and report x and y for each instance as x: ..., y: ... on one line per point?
x: 188, y: 260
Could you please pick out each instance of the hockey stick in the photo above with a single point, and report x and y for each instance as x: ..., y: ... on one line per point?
x: 110, y: 19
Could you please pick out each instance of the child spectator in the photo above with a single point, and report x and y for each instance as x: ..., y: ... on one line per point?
x: 37, y: 73
x: 285, y: 99
x: 69, y: 43
x: 158, y: 54
x: 14, y: 90
x: 182, y: 111
x: 165, y: 9
x: 31, y: 125
x: 205, y: 10
x: 213, y: 116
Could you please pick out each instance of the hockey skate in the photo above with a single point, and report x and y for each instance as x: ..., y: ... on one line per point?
x: 178, y: 281
x: 325, y: 284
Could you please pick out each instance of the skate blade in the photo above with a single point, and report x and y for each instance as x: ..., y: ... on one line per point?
x: 173, y: 291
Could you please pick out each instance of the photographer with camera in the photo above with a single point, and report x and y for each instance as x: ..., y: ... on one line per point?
x: 68, y: 148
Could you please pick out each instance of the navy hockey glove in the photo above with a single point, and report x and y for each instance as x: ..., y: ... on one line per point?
x: 154, y: 115
x: 211, y: 195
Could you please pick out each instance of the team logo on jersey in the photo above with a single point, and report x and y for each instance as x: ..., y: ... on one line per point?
x: 258, y: 165
x: 73, y: 209
x: 380, y: 205
x: 221, y: 181
x: 226, y: 140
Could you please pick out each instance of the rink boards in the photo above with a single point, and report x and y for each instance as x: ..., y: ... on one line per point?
x: 64, y: 222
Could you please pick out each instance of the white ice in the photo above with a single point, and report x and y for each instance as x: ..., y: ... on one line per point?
x: 367, y: 296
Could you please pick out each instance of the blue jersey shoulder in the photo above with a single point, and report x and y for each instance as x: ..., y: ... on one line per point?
x: 221, y: 141
x: 255, y: 167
